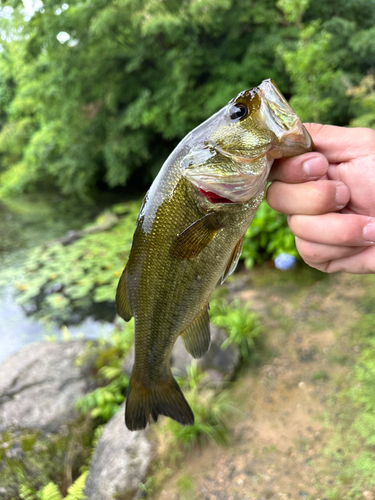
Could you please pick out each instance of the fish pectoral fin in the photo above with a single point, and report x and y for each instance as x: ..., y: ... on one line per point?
x: 233, y: 260
x: 122, y: 304
x: 196, y: 337
x: 196, y: 237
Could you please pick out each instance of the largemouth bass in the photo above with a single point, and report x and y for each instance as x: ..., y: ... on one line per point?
x: 189, y: 237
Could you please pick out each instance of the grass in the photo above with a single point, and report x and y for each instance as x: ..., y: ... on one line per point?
x: 352, y: 446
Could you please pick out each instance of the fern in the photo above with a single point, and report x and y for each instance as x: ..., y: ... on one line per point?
x: 50, y: 492
x: 27, y: 493
x: 241, y: 325
x: 75, y: 492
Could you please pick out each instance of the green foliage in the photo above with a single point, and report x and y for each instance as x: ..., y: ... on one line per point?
x: 312, y: 73
x: 354, y: 434
x: 134, y: 76
x: 241, y: 325
x: 30, y: 460
x: 52, y: 492
x: 267, y: 237
x: 59, y: 279
x: 211, y: 413
x: 293, y: 9
x: 104, y: 402
x: 364, y: 100
x: 362, y: 392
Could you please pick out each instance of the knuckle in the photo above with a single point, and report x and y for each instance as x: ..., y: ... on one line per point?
x: 325, y: 196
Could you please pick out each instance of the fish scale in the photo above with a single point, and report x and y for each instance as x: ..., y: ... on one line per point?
x: 186, y: 241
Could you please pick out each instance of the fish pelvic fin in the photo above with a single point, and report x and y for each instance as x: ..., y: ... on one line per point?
x: 144, y: 402
x: 122, y: 304
x: 196, y: 337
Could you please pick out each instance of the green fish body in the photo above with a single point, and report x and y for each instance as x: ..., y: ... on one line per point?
x: 189, y: 237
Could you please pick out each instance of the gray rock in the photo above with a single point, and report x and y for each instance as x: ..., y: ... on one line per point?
x: 223, y: 360
x: 40, y: 384
x: 127, y: 365
x: 120, y: 462
x: 219, y: 363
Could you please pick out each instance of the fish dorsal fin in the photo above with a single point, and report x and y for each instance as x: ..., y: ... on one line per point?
x: 196, y: 237
x: 196, y: 337
x: 122, y: 304
x: 233, y: 260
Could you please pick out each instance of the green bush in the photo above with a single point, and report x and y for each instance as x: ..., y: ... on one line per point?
x: 241, y: 325
x: 211, y: 413
x: 135, y: 76
x: 267, y: 237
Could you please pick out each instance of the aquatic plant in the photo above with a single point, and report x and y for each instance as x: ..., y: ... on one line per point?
x: 60, y: 279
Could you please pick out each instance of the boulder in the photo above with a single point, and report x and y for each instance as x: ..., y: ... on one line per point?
x: 218, y: 363
x: 120, y: 462
x: 40, y: 384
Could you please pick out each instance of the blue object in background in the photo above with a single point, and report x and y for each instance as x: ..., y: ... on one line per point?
x: 285, y: 262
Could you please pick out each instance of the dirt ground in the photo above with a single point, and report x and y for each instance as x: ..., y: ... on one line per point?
x: 279, y: 436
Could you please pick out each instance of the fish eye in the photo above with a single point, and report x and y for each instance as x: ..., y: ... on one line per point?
x: 238, y: 111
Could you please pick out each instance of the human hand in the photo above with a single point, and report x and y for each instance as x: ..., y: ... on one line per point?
x: 330, y: 196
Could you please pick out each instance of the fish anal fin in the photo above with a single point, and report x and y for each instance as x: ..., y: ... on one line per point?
x: 144, y: 402
x: 196, y: 237
x: 233, y: 260
x: 196, y: 337
x: 122, y: 304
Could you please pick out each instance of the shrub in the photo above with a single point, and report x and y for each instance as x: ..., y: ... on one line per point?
x: 241, y: 325
x: 267, y: 237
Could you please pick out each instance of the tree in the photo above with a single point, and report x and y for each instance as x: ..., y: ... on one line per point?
x: 100, y: 91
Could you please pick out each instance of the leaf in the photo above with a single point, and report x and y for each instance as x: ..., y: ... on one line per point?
x: 50, y: 492
x: 75, y: 491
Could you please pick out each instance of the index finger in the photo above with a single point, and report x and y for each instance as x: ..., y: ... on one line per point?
x: 296, y: 169
x: 341, y: 144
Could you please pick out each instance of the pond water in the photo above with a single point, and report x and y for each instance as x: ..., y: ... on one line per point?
x: 25, y: 223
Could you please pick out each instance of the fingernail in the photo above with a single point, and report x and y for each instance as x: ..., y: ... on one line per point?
x: 342, y: 195
x: 369, y: 232
x: 314, y: 167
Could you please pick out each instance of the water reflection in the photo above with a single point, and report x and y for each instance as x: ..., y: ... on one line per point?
x: 24, y: 224
x: 17, y: 329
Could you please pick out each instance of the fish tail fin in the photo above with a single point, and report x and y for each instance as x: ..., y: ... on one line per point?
x: 145, y: 402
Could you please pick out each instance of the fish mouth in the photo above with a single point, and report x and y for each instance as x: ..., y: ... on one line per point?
x: 276, y: 114
x: 213, y: 197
